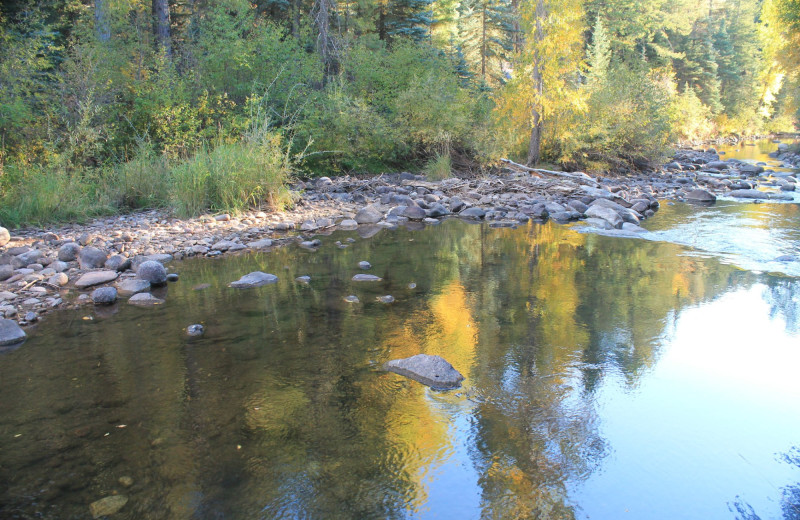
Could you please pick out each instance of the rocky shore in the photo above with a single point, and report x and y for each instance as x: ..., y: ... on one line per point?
x: 123, y: 256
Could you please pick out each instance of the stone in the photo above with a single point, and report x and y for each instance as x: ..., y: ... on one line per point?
x: 364, y: 265
x: 222, y: 218
x: 58, y: 279
x: 5, y: 236
x: 413, y: 212
x: 69, y: 252
x: 91, y: 258
x: 27, y: 258
x: 366, y: 278
x: 118, y: 263
x: 161, y: 258
x: 436, y: 210
x: 473, y: 213
x: 605, y: 213
x: 145, y: 300
x: 6, y: 272
x: 107, y: 506
x: 633, y: 228
x: 104, y: 296
x: 433, y: 371
x: 260, y: 244
x: 125, y: 481
x: 456, y: 204
x: 348, y: 224
x: 95, y: 278
x: 578, y: 206
x: 10, y: 333
x: 223, y: 245
x: 303, y: 279
x: 132, y: 286
x: 195, y: 330
x: 386, y: 299
x: 368, y: 215
x: 700, y: 196
x: 152, y: 271
x: 173, y: 277
x: 352, y: 299
x: 254, y: 279
x: 58, y: 266
x: 756, y: 194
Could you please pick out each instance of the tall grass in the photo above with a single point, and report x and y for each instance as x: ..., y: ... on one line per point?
x: 230, y: 177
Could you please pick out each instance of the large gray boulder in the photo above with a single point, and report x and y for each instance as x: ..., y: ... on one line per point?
x: 5, y: 236
x: 369, y: 215
x: 604, y: 213
x: 10, y: 333
x: 69, y: 252
x: 95, y: 278
x: 153, y: 272
x: 413, y: 212
x: 6, y: 272
x: 700, y: 196
x: 254, y: 279
x: 433, y: 371
x: 92, y: 258
x: 473, y: 212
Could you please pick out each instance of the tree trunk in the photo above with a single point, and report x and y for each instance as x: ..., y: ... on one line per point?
x: 382, y: 35
x: 101, y: 25
x: 296, y: 18
x: 326, y: 45
x: 534, y: 146
x: 161, y: 25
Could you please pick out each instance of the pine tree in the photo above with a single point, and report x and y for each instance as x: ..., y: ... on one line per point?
x: 599, y: 53
x: 487, y: 31
x: 409, y: 19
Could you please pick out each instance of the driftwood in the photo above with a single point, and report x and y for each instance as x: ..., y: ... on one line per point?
x: 577, y: 176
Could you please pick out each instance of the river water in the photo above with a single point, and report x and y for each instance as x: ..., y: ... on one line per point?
x: 606, y: 378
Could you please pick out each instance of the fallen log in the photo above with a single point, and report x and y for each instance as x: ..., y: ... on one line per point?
x: 576, y: 176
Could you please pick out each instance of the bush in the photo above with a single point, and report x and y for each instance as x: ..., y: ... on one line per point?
x: 233, y: 177
x: 625, y: 121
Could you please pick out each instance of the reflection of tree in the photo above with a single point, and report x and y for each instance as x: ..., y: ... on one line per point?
x: 783, y: 297
x: 790, y: 495
x: 279, y: 410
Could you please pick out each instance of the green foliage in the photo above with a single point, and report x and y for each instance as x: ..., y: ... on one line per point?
x: 233, y: 177
x: 625, y: 120
x: 439, y: 167
x: 691, y: 118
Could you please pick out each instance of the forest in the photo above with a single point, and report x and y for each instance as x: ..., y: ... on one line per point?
x: 115, y: 105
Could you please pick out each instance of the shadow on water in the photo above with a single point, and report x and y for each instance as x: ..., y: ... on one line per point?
x: 281, y: 410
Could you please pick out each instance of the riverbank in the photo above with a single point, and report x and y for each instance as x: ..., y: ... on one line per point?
x: 46, y: 269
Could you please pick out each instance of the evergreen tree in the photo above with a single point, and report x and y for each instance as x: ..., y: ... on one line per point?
x: 487, y: 32
x: 409, y: 19
x: 599, y: 53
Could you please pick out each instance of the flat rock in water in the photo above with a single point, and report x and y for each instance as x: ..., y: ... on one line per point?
x: 145, y: 300
x: 366, y: 278
x: 195, y: 330
x: 433, y: 371
x: 133, y: 286
x: 260, y: 244
x: 700, y: 196
x: 95, y: 278
x: 604, y: 213
x: 254, y: 279
x: 10, y: 333
x: 756, y: 194
x: 107, y: 506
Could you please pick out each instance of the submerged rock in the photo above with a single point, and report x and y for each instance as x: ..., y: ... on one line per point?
x: 145, y: 300
x: 433, y: 371
x: 107, y: 506
x: 352, y: 299
x: 366, y: 278
x: 254, y: 279
x: 303, y: 279
x: 10, y: 333
x: 386, y: 299
x: 195, y: 330
x: 364, y: 265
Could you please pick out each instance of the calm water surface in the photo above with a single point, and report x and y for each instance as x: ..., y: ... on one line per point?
x: 606, y: 378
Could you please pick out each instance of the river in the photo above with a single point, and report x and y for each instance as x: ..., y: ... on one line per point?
x: 606, y: 377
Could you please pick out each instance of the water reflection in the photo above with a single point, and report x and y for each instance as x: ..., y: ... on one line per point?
x: 582, y: 355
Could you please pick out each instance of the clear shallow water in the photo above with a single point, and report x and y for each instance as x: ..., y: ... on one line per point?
x: 605, y: 377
